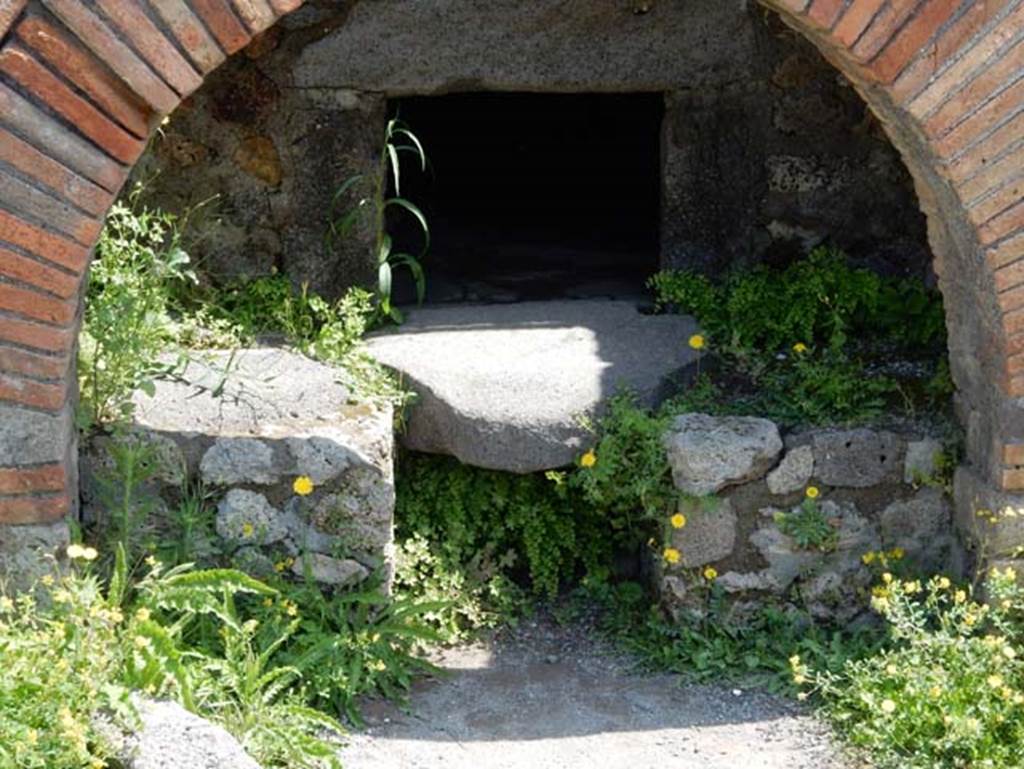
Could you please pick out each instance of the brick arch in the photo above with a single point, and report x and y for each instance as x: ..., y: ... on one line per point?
x: 84, y: 84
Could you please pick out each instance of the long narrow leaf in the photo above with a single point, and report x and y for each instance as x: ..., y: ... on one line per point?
x: 415, y: 211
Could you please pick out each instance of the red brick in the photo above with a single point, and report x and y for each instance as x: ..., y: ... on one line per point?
x: 1009, y: 275
x: 35, y: 335
x: 991, y: 206
x: 1013, y: 454
x: 222, y: 22
x: 1007, y: 252
x: 1012, y: 299
x: 824, y: 13
x: 159, y: 53
x: 48, y: 172
x: 1009, y: 221
x: 21, y: 268
x: 1013, y: 480
x: 1014, y: 366
x: 32, y: 203
x: 190, y: 33
x: 933, y: 56
x: 103, y: 42
x: 992, y: 175
x: 855, y: 20
x: 885, y: 24
x: 981, y: 122
x: 36, y: 306
x: 45, y: 245
x: 997, y: 74
x: 46, y: 87
x: 29, y: 480
x: 281, y: 7
x: 1013, y: 323
x: 910, y: 40
x: 90, y: 75
x: 31, y: 364
x: 257, y: 14
x: 36, y: 395
x: 47, y: 134
x: 974, y: 60
x: 978, y: 157
x: 34, y: 509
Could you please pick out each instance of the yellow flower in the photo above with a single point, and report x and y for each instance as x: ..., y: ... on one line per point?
x: 944, y: 583
x: 887, y: 578
x: 1009, y: 652
x: 292, y: 610
x: 589, y: 459
x: 799, y: 348
x: 995, y: 681
x: 142, y: 615
x: 31, y: 736
x: 678, y: 521
x: 75, y: 551
x: 151, y: 561
x: 89, y: 554
x: 710, y: 574
x: 812, y: 492
x: 671, y: 555
x: 891, y: 669
x: 868, y: 558
x: 799, y: 679
x: 141, y: 642
x: 247, y: 529
x: 960, y: 596
x: 47, y: 579
x: 6, y: 604
x: 697, y: 342
x: 935, y: 692
x: 794, y: 660
x: 303, y: 486
x: 912, y: 587
x: 897, y: 553
x: 888, y: 706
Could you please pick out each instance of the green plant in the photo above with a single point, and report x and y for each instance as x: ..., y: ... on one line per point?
x: 486, y: 527
x: 626, y: 475
x: 139, y: 264
x: 256, y: 699
x: 948, y: 692
x: 397, y: 139
x: 808, y: 525
x: 351, y: 644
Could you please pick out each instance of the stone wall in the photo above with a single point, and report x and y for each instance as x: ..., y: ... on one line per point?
x: 238, y: 430
x: 878, y: 501
x: 764, y: 145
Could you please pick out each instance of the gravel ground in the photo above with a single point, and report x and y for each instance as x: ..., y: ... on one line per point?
x: 549, y: 697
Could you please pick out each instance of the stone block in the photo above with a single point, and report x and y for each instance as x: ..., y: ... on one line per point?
x: 793, y: 472
x: 28, y: 552
x: 709, y: 534
x: 857, y: 458
x: 990, y: 520
x: 709, y: 453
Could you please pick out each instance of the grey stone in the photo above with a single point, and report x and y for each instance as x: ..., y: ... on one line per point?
x: 991, y: 521
x: 239, y: 460
x: 320, y: 457
x: 30, y: 437
x: 28, y: 552
x: 253, y: 562
x: 744, y: 582
x: 708, y: 453
x: 709, y: 534
x: 857, y: 458
x: 246, y: 517
x: 336, y: 572
x: 786, y: 562
x: 793, y: 472
x: 921, y: 527
x: 171, y: 737
x: 526, y: 374
x: 922, y: 460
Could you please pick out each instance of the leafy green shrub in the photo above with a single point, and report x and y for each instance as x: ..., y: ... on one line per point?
x: 138, y: 267
x: 480, y: 522
x: 808, y: 525
x: 81, y: 648
x: 819, y: 300
x: 950, y: 690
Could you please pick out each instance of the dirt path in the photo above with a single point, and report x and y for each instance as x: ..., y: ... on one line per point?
x: 545, y: 697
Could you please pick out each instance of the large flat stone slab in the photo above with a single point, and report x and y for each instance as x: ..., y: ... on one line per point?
x: 506, y: 386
